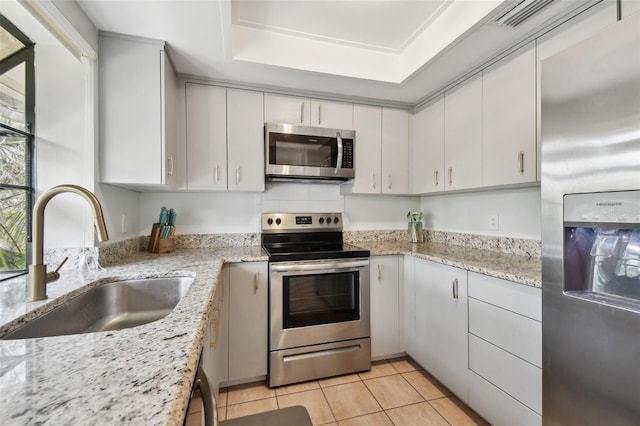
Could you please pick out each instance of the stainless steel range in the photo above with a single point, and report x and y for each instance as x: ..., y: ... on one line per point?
x: 318, y: 298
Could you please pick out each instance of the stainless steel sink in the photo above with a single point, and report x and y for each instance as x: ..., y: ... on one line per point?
x: 110, y: 306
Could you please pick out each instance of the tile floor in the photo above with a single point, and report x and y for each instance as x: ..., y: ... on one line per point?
x: 395, y: 392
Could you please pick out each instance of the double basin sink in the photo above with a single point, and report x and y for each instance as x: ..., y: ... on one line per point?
x: 110, y: 306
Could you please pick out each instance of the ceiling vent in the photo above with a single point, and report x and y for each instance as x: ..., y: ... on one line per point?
x: 522, y: 11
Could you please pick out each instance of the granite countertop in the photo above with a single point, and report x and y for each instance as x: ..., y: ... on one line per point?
x: 140, y: 375
x: 521, y: 269
x: 143, y: 375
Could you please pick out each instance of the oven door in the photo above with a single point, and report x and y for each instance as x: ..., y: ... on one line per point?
x: 314, y: 302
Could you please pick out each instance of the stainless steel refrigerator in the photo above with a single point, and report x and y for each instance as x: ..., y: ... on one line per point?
x: 591, y: 230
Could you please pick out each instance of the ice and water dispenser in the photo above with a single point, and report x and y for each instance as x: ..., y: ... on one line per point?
x: 602, y: 248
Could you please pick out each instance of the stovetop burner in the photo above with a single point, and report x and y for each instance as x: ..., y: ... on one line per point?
x: 296, y: 236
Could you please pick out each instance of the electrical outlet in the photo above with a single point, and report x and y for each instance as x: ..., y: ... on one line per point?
x: 124, y: 223
x: 494, y: 222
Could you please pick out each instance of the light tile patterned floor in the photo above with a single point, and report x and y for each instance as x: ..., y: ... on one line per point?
x: 395, y: 392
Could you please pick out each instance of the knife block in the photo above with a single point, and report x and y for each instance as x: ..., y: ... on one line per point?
x: 161, y: 245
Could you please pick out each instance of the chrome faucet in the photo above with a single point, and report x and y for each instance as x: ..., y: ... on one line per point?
x: 38, y: 276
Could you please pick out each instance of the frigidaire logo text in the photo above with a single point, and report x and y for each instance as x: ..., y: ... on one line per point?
x: 608, y: 204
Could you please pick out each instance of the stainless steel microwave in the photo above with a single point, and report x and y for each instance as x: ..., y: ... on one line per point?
x: 308, y: 153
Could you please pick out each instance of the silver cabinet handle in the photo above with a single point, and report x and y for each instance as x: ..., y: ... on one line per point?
x: 379, y: 272
x: 301, y: 112
x: 435, y: 174
x: 454, y: 288
x: 521, y: 161
x: 237, y: 175
x: 340, y: 152
x: 450, y: 175
x: 216, y: 174
x: 374, y: 181
x: 170, y: 165
x: 256, y: 282
x: 389, y: 183
x: 319, y: 113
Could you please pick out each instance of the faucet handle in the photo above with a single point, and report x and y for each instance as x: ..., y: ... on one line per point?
x: 53, y: 276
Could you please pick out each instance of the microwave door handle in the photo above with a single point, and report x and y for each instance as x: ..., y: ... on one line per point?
x: 339, y: 160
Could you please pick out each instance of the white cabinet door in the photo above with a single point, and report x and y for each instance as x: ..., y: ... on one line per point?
x: 427, y: 148
x: 395, y: 151
x: 463, y: 135
x: 409, y: 308
x: 206, y: 126
x: 509, y: 119
x: 385, y: 306
x: 137, y: 95
x: 215, y: 351
x: 367, y: 122
x: 287, y: 109
x: 336, y: 115
x: 245, y: 140
x: 441, y: 323
x: 248, y: 320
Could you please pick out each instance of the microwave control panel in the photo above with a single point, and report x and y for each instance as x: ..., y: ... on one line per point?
x: 347, y: 154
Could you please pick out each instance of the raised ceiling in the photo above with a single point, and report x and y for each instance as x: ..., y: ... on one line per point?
x: 398, y: 51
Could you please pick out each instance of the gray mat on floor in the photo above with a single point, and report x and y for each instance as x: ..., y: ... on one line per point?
x: 290, y: 416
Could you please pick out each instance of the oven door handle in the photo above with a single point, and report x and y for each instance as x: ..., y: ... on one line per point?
x: 320, y: 266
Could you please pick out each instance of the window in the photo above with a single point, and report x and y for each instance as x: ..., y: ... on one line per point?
x: 17, y: 119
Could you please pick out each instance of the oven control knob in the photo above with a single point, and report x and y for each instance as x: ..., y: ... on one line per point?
x: 270, y: 221
x: 328, y: 220
x: 336, y: 219
x: 278, y: 221
x: 321, y: 220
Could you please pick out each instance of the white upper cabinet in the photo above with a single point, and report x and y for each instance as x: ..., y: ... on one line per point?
x: 138, y: 127
x: 206, y: 129
x: 225, y: 139
x: 245, y: 140
x: 336, y: 115
x: 395, y: 151
x: 367, y: 122
x: 463, y: 135
x: 509, y: 119
x: 427, y: 148
x: 287, y: 110
x: 382, y: 151
x: 307, y: 112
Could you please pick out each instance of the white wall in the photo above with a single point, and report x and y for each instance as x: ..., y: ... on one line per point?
x: 237, y: 212
x: 518, y: 212
x: 63, y: 141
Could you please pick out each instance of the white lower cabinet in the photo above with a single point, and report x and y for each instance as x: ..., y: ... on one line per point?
x: 215, y: 350
x: 441, y: 335
x: 235, y: 343
x: 505, y: 350
x: 248, y: 320
x: 409, y: 307
x: 386, y: 339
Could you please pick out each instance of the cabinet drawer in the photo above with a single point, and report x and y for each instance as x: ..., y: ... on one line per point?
x: 497, y: 407
x: 512, y: 332
x: 522, y: 299
x: 518, y: 378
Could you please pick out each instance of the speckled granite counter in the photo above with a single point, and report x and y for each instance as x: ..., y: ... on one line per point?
x: 140, y: 375
x: 521, y: 269
x: 143, y: 375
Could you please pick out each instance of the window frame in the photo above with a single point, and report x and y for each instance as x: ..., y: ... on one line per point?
x: 25, y: 55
